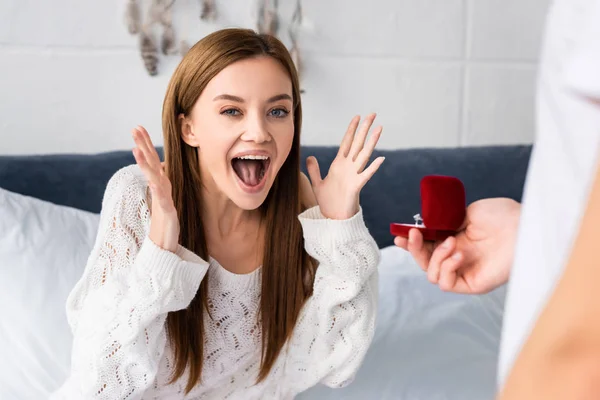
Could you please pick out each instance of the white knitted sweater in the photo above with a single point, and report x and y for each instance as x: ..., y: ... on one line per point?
x: 117, y: 311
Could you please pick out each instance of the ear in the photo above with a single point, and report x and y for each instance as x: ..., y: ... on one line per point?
x: 187, y: 131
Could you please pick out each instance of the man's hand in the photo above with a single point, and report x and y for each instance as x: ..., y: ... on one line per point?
x: 476, y: 260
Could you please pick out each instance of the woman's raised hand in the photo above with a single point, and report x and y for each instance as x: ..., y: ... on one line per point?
x: 164, y: 223
x: 338, y: 193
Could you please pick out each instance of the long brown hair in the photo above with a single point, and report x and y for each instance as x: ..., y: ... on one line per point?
x: 287, y: 270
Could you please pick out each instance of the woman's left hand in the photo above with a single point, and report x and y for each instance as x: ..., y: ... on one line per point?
x: 338, y: 194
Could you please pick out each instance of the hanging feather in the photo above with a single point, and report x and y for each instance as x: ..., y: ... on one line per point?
x: 149, y: 53
x: 293, y: 34
x: 184, y: 47
x: 208, y: 10
x: 268, y: 19
x: 133, y: 16
x: 296, y: 21
x: 165, y: 16
x: 295, y: 54
x: 261, y: 16
x: 271, y: 23
x: 167, y: 42
x: 155, y: 12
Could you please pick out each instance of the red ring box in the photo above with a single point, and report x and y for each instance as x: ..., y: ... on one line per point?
x: 443, y: 209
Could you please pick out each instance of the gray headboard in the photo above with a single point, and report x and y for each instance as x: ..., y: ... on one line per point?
x: 392, y: 195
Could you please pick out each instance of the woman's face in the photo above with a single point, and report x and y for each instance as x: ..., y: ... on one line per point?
x: 243, y: 126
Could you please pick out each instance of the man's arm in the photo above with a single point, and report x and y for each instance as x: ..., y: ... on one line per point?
x: 561, y: 359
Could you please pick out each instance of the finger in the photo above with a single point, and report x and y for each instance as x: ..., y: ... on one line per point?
x: 159, y: 188
x: 359, y: 138
x: 348, y: 137
x: 370, y: 171
x: 141, y: 160
x: 148, y: 147
x: 139, y: 157
x: 448, y: 272
x: 401, y: 242
x: 363, y: 156
x: 152, y: 148
x: 314, y: 172
x: 420, y: 251
x: 441, y: 253
x: 147, y: 139
x: 147, y: 170
x: 142, y: 145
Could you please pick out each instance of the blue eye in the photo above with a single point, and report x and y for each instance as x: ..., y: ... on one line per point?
x: 279, y: 113
x: 231, y: 112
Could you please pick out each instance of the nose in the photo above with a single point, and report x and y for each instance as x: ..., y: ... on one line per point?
x: 256, y: 129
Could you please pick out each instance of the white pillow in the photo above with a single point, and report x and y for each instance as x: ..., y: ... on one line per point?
x: 43, y: 251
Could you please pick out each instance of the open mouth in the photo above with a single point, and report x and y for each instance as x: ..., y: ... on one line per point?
x: 251, y: 169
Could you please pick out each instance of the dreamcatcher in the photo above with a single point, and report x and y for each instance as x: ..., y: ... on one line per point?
x: 160, y: 12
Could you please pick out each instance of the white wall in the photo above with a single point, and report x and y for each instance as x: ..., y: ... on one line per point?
x: 438, y: 72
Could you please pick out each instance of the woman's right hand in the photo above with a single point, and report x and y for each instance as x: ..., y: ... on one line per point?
x: 164, y: 224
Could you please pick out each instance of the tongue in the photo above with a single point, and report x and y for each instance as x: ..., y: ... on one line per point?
x: 248, y: 171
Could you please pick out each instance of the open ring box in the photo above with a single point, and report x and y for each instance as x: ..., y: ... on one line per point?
x: 443, y: 209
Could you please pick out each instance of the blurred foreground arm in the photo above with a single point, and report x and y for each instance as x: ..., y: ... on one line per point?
x: 561, y: 359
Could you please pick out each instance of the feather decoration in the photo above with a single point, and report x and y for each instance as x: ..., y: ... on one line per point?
x: 149, y: 52
x: 295, y: 54
x: 155, y: 12
x: 167, y: 42
x: 166, y: 12
x: 148, y: 47
x: 184, y: 47
x: 293, y: 34
x: 208, y: 10
x: 159, y: 12
x: 268, y: 18
x: 133, y: 16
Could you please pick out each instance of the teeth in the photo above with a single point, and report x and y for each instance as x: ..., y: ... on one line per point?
x: 253, y: 157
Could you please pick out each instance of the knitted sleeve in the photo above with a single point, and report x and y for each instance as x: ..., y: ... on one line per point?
x: 336, y: 325
x: 118, y: 308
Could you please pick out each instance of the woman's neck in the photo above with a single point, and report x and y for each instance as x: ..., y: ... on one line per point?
x: 223, y: 218
x: 234, y: 236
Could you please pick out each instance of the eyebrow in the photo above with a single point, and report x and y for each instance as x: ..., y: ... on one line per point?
x: 237, y: 99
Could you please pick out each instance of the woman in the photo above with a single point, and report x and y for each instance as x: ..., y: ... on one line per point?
x: 223, y: 272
